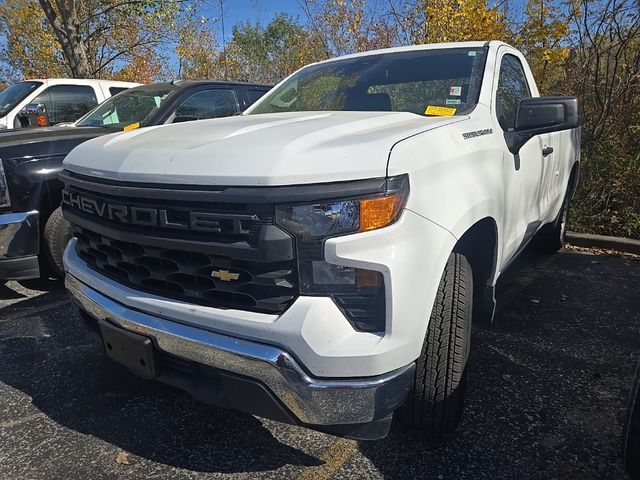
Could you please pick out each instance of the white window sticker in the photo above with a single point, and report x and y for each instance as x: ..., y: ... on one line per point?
x: 453, y: 101
x: 455, y: 91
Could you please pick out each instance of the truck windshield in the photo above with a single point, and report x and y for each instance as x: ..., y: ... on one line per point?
x: 13, y: 95
x: 426, y: 82
x: 131, y: 107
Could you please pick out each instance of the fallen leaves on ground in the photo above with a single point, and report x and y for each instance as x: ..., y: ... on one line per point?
x: 602, y: 251
x: 123, y: 458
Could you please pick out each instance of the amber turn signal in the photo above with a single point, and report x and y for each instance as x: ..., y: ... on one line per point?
x: 379, y: 212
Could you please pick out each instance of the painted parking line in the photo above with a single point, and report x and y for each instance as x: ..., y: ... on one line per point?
x: 334, y: 457
x: 35, y: 310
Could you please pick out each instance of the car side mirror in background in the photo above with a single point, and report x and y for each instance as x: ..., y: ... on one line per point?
x: 33, y: 115
x: 539, y: 115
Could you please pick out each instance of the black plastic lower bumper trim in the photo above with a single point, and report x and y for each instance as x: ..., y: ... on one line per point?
x: 23, y: 268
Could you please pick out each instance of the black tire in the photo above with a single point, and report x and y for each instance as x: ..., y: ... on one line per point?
x: 436, y: 400
x: 57, y: 233
x: 631, y: 432
x: 551, y: 237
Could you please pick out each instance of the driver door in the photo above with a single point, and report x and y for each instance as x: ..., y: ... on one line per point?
x: 523, y: 174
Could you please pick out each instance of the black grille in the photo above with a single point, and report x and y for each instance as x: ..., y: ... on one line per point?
x: 268, y: 287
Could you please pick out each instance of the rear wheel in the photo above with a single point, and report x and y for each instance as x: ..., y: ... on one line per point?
x: 551, y: 237
x: 436, y: 400
x: 57, y: 233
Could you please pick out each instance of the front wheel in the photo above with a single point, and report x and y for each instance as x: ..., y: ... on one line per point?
x: 57, y: 233
x: 436, y: 400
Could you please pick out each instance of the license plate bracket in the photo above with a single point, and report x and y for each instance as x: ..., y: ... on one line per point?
x: 132, y: 350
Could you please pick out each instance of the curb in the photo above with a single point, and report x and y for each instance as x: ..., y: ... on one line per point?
x: 601, y: 241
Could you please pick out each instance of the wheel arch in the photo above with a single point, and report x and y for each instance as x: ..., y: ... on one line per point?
x: 574, y: 179
x: 479, y: 244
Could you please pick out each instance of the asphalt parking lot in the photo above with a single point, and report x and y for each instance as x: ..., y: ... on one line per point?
x: 546, y: 397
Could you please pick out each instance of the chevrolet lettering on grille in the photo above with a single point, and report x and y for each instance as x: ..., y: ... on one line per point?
x: 156, y: 217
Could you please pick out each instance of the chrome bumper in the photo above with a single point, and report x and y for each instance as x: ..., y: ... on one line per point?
x: 311, y: 400
x: 19, y: 245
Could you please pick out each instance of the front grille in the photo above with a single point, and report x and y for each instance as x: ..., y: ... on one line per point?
x: 267, y: 287
x: 213, y: 251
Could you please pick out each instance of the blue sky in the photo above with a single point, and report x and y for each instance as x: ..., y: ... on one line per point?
x: 253, y: 11
x: 262, y: 11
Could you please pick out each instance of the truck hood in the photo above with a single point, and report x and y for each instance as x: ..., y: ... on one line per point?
x: 23, y: 136
x: 270, y: 149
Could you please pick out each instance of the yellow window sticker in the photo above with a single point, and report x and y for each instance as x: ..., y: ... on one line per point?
x: 133, y: 126
x: 440, y: 111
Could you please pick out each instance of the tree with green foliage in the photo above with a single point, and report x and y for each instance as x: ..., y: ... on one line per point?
x: 31, y: 49
x: 93, y: 34
x: 271, y: 53
x: 89, y: 38
x: 431, y: 21
x: 346, y: 26
x: 603, y: 71
x: 544, y: 39
x: 197, y: 50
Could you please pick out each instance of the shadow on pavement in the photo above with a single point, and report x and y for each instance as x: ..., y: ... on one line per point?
x: 54, y: 361
x: 547, y: 381
x: 7, y: 293
x: 43, y: 284
x: 39, y: 284
x: 545, y: 398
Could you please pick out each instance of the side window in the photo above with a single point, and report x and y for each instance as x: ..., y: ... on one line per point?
x: 512, y: 87
x: 116, y: 90
x: 67, y: 103
x: 207, y: 104
x: 254, y: 95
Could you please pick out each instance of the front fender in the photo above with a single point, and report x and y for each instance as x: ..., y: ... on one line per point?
x: 34, y: 184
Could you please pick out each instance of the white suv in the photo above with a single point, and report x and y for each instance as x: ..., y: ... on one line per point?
x: 65, y: 99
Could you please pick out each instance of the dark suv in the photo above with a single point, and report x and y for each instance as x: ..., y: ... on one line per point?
x: 33, y: 233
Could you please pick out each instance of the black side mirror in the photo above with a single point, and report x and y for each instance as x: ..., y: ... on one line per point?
x: 33, y: 115
x: 542, y: 115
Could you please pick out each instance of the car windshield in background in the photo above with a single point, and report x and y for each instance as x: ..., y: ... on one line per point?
x: 426, y: 82
x: 131, y: 107
x: 13, y: 95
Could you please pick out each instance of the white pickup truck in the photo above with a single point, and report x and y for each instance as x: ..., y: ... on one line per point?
x: 61, y: 100
x: 319, y: 259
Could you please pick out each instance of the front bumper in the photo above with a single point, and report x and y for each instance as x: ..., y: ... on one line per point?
x: 19, y: 245
x: 353, y: 407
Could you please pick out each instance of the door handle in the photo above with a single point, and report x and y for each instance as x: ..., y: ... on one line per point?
x: 546, y: 151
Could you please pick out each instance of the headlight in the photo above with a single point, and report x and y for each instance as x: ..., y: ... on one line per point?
x: 359, y: 293
x: 320, y: 220
x: 4, y: 189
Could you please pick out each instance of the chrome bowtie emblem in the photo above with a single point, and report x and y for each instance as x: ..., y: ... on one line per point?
x: 225, y: 275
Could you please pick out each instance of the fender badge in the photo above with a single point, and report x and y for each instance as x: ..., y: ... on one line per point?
x: 225, y: 275
x: 477, y: 133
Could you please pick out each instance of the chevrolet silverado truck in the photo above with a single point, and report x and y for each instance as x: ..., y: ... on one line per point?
x: 319, y: 259
x: 33, y: 232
